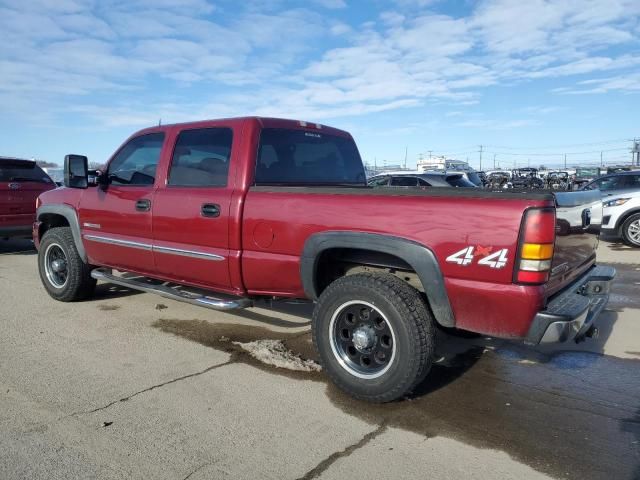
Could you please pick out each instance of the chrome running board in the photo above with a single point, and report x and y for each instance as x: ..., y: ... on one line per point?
x: 172, y: 291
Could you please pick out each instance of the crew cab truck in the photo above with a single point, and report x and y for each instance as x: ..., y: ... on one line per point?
x: 219, y: 213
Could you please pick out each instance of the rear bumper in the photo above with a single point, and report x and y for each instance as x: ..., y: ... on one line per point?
x: 570, y: 314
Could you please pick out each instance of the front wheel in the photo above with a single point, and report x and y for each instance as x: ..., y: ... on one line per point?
x: 63, y: 273
x: 374, y: 335
x: 631, y: 230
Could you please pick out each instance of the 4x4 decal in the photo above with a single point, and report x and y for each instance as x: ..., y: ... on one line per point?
x: 466, y: 256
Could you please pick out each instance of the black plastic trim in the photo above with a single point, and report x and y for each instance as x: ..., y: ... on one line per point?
x: 72, y: 219
x: 19, y: 231
x: 419, y: 257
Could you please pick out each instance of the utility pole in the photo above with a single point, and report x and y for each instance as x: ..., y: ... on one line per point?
x: 635, y: 152
x: 480, y: 157
x: 406, y: 152
x: 601, y: 162
x: 494, y: 160
x: 429, y: 153
x: 565, y: 161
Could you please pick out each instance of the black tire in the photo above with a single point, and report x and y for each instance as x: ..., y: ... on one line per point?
x: 395, y: 305
x: 631, y: 230
x: 73, y: 281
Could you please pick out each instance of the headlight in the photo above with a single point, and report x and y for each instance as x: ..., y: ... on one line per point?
x: 616, y: 202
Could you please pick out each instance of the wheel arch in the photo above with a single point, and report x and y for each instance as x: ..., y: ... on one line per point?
x: 623, y: 218
x: 406, y: 253
x: 60, y: 216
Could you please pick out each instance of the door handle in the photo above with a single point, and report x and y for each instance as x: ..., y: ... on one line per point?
x: 211, y: 210
x: 143, y: 205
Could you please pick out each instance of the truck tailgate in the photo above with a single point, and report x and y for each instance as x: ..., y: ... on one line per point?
x: 578, y: 221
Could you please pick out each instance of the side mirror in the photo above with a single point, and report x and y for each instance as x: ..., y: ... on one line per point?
x: 76, y: 171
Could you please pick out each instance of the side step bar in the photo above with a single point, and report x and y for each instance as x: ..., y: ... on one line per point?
x: 166, y: 291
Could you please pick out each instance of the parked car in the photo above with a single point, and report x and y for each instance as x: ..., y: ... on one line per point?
x: 251, y: 208
x: 21, y: 181
x: 616, y: 183
x: 621, y: 217
x: 419, y: 179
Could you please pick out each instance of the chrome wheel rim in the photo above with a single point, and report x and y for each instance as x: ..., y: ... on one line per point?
x: 362, y: 339
x: 55, y: 265
x: 633, y: 230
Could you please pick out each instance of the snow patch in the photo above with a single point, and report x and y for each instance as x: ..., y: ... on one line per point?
x: 274, y: 352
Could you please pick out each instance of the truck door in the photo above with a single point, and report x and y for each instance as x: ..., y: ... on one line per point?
x: 191, y: 214
x: 115, y: 219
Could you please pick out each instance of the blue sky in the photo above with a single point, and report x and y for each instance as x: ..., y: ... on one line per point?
x: 529, y: 81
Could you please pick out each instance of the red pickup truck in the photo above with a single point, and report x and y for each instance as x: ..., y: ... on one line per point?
x: 21, y: 181
x: 261, y: 207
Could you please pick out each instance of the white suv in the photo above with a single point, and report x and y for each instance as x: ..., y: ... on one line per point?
x: 621, y: 217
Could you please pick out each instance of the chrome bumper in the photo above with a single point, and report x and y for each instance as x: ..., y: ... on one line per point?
x: 570, y: 314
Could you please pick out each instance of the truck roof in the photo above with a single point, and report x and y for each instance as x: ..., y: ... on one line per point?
x: 264, y: 122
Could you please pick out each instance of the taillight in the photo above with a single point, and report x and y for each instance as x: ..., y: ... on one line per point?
x: 535, y: 249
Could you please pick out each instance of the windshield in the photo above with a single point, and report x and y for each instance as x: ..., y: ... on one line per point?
x: 26, y: 173
x: 300, y: 157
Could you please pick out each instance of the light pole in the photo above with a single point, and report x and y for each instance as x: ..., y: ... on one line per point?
x: 494, y: 160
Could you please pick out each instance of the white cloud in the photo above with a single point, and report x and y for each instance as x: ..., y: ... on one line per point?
x: 50, y: 50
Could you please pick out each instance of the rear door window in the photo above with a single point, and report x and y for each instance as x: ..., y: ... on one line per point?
x: 300, y: 157
x: 201, y: 158
x: 633, y: 181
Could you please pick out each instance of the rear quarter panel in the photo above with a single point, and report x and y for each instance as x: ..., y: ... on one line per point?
x: 277, y: 222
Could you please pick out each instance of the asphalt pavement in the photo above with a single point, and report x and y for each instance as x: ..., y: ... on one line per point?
x: 131, y: 385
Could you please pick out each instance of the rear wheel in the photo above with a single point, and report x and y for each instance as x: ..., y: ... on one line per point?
x: 631, y: 230
x: 63, y: 273
x: 374, y: 335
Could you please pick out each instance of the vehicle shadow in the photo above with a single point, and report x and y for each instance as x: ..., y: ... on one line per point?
x: 616, y: 243
x: 105, y: 291
x: 17, y: 246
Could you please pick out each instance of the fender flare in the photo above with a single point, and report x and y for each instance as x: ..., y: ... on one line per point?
x: 420, y: 258
x: 72, y: 218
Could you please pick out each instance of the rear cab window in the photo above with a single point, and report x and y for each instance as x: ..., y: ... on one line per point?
x: 299, y: 157
x: 201, y: 158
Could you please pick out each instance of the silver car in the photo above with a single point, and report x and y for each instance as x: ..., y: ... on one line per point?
x: 616, y: 183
